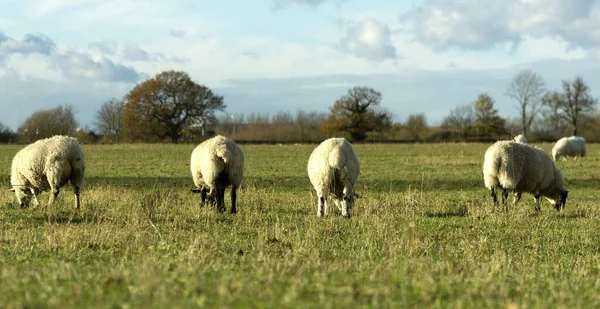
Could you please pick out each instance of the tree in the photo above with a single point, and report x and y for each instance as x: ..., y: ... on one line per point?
x: 527, y: 88
x: 415, y: 124
x: 6, y: 134
x: 462, y: 117
x: 487, y: 120
x: 49, y: 122
x: 166, y: 104
x: 574, y: 104
x: 109, y: 119
x: 357, y: 113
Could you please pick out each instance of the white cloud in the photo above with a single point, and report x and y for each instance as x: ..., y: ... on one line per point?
x: 369, y: 39
x: 71, y: 63
x: 279, y: 4
x: 473, y: 24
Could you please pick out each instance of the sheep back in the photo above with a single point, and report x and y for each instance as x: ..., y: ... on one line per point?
x: 49, y: 164
x: 215, y: 157
x: 520, y: 139
x: 522, y: 168
x: 572, y: 146
x: 333, y: 161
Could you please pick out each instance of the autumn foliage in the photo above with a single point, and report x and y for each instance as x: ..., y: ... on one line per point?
x: 162, y: 107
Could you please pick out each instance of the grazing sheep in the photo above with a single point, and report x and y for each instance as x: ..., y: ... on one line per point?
x: 47, y: 165
x: 573, y: 146
x: 215, y: 164
x: 333, y: 168
x: 520, y: 139
x: 516, y: 167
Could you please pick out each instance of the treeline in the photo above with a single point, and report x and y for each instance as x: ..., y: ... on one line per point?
x: 171, y: 107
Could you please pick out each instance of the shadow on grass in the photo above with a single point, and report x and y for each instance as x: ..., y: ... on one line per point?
x: 60, y: 217
x: 447, y: 213
x: 577, y: 214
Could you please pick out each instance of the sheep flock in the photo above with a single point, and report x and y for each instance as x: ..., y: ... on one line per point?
x: 510, y: 166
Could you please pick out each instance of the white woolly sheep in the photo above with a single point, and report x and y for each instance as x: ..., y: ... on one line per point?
x: 573, y: 146
x: 516, y: 167
x: 215, y: 164
x: 47, y: 165
x: 333, y: 168
x: 520, y: 139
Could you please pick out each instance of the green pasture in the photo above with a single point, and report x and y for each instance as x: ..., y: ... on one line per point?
x: 423, y: 234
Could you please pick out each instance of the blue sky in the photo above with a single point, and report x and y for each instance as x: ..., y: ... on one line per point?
x: 286, y: 55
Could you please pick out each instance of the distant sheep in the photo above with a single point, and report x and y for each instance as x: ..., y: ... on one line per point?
x: 47, y: 165
x: 215, y: 164
x: 518, y: 168
x: 520, y: 139
x: 573, y: 146
x: 333, y: 168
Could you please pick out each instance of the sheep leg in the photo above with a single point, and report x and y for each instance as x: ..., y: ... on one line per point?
x: 517, y: 198
x: 233, y: 199
x: 77, y: 198
x: 504, y: 196
x: 320, y: 207
x: 220, y: 199
x: 346, y: 205
x: 494, y: 196
x: 55, y: 193
x: 203, y: 192
x: 537, y: 201
x: 35, y: 193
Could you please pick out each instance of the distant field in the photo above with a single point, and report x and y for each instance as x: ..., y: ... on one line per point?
x: 424, y: 234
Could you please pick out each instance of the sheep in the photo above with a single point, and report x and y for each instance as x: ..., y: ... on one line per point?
x: 573, y: 146
x: 334, y: 168
x: 519, y: 168
x: 47, y: 165
x: 215, y: 164
x: 520, y: 139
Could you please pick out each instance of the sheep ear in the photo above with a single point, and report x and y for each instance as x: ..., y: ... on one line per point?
x: 196, y: 190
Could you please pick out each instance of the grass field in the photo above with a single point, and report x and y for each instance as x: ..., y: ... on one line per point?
x: 423, y: 234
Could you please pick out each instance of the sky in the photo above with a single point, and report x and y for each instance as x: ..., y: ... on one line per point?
x: 267, y: 56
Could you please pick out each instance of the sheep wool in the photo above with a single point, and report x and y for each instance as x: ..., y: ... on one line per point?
x: 573, y: 146
x: 520, y: 139
x: 519, y: 168
x: 215, y: 164
x: 47, y: 165
x: 334, y: 168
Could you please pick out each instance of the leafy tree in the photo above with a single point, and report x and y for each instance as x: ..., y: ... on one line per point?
x: 109, y: 119
x: 49, y: 122
x: 415, y: 124
x: 357, y: 113
x: 527, y: 88
x: 166, y: 104
x: 6, y: 134
x: 487, y: 120
x: 574, y: 105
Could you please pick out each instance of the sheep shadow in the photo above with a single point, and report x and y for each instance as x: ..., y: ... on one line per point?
x: 460, y: 211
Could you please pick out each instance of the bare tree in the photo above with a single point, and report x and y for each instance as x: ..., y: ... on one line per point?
x: 49, y: 122
x: 461, y: 117
x: 527, y: 89
x: 574, y: 104
x: 109, y: 119
x: 6, y: 134
x: 415, y: 124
